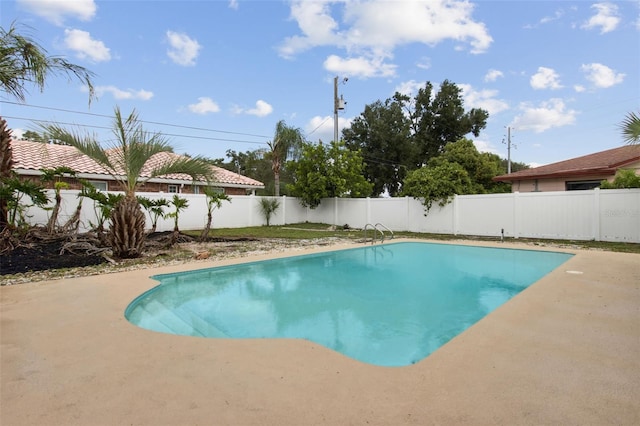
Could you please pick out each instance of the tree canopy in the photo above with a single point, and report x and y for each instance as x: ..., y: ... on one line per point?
x: 403, y: 133
x: 324, y: 171
x: 460, y: 170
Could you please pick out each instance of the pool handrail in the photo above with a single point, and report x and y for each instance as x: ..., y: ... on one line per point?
x: 375, y: 228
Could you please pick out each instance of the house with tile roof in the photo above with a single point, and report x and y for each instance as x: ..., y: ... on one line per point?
x: 586, y: 172
x: 30, y: 157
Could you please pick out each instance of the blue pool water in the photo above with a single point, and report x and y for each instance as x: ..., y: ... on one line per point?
x: 389, y: 305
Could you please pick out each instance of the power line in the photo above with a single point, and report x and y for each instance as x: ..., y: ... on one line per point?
x: 142, y: 121
x: 165, y: 134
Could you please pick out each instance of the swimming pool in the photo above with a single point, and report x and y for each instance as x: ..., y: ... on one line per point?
x: 388, y: 305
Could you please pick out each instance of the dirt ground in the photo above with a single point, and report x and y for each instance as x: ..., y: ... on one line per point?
x: 45, y: 256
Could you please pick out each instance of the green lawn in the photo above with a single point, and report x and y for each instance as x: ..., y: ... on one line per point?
x: 323, y: 230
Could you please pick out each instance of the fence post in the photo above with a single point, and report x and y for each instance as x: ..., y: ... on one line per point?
x: 596, y: 214
x: 516, y: 214
x: 284, y: 210
x: 455, y: 214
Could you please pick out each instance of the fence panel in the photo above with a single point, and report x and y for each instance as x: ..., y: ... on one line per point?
x: 619, y: 215
x: 607, y: 215
x: 439, y: 220
x: 485, y: 215
x: 564, y: 215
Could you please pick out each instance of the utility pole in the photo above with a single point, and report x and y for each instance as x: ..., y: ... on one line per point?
x: 338, y: 105
x: 508, y: 150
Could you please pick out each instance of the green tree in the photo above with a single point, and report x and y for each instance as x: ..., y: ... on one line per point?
x: 256, y: 165
x: 214, y: 201
x: 480, y: 167
x: 625, y: 178
x: 440, y: 118
x: 383, y: 134
x: 437, y: 183
x: 286, y: 141
x: 30, y: 135
x: 404, y: 133
x: 132, y: 153
x: 631, y: 128
x: 328, y: 171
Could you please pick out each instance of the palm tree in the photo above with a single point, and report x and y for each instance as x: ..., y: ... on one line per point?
x: 125, y: 162
x: 24, y: 61
x: 631, y: 129
x: 285, y: 140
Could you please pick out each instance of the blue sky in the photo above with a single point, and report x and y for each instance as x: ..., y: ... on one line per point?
x: 218, y: 75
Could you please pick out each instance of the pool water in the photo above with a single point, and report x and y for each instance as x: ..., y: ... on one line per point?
x: 388, y: 305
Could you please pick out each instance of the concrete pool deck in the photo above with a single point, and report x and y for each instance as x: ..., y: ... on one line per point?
x: 564, y: 351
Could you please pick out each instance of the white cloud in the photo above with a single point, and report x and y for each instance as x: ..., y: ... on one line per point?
x: 545, y: 78
x: 601, y: 76
x: 485, y: 146
x: 370, y: 31
x: 424, y: 64
x: 545, y: 20
x: 547, y: 115
x: 485, y: 99
x: 183, y: 50
x: 359, y: 67
x: 322, y: 128
x: 579, y: 88
x: 55, y: 11
x: 409, y: 88
x: 86, y: 47
x: 606, y: 18
x: 493, y: 75
x: 123, y: 94
x: 262, y: 109
x: 233, y: 4
x: 204, y: 106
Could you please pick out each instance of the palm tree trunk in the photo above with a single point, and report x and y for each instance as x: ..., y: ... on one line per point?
x: 276, y: 184
x: 127, y: 228
x: 6, y: 163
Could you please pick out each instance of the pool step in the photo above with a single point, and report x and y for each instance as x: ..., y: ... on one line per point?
x: 158, y: 317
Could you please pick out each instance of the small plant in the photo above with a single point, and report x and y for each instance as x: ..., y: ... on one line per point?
x: 268, y: 206
x: 13, y: 191
x: 179, y: 204
x: 625, y: 178
x: 54, y: 175
x: 214, y: 201
x: 104, y: 203
x: 155, y: 208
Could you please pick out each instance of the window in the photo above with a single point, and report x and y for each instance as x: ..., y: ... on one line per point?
x: 196, y: 189
x: 173, y: 189
x: 99, y: 185
x: 582, y: 185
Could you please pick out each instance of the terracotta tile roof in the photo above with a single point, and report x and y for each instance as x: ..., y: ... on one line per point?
x: 28, y: 155
x: 600, y: 163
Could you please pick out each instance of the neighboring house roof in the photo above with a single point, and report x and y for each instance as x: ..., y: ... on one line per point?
x: 600, y: 163
x: 33, y: 156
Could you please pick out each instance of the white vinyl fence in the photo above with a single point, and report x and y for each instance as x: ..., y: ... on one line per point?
x: 601, y: 215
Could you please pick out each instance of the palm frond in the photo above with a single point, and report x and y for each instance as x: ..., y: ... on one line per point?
x: 630, y: 128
